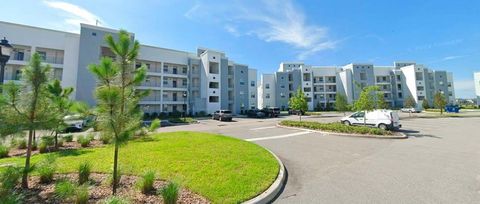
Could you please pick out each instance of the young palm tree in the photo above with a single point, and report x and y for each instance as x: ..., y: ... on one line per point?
x: 117, y: 99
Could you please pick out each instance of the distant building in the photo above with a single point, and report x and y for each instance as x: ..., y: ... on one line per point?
x: 321, y: 84
x: 179, y: 81
x: 476, y: 77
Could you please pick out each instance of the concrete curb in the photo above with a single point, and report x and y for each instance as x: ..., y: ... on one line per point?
x: 402, y: 136
x: 271, y: 193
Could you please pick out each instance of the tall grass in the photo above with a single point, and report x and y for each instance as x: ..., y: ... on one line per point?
x: 84, y: 172
x: 84, y: 141
x: 81, y: 195
x: 170, y: 193
x: 146, y: 182
x: 46, y: 169
x: 4, y: 151
x: 9, y: 178
x: 64, y: 189
x: 115, y: 200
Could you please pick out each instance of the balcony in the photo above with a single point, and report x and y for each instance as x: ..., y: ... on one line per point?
x: 180, y: 70
x: 331, y: 80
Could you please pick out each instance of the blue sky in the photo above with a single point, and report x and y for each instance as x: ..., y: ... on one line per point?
x: 261, y: 33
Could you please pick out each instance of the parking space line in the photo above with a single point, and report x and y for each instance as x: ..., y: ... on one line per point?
x: 263, y: 128
x: 278, y: 136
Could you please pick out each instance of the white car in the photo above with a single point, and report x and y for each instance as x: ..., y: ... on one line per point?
x: 383, y: 119
x: 410, y: 110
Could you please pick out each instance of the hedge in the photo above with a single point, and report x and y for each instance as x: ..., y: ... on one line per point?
x: 335, y: 127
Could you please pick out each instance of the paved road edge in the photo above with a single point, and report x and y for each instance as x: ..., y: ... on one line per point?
x: 271, y: 193
x: 402, y: 136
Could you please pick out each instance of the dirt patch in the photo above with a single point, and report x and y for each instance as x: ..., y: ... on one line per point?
x: 99, y: 189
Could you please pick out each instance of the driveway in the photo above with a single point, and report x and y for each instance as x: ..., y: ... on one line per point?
x: 438, y: 163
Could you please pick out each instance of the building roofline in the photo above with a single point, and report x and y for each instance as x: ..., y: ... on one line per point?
x: 40, y: 28
x: 169, y: 49
x: 100, y: 28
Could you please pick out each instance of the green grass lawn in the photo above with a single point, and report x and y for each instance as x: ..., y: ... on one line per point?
x: 223, y: 169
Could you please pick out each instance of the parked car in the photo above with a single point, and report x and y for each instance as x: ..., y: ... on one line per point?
x: 295, y: 112
x: 75, y: 123
x: 255, y: 113
x: 383, y: 119
x: 271, y: 112
x: 411, y: 110
x: 222, y: 115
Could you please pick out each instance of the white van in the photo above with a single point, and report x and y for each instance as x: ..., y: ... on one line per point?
x: 383, y: 119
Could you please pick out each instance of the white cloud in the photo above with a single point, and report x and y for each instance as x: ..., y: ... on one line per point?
x: 453, y: 57
x: 74, y: 15
x: 269, y: 20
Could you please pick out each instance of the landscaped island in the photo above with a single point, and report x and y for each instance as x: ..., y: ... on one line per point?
x: 221, y: 169
x: 336, y: 127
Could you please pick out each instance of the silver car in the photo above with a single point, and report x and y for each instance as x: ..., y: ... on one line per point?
x: 222, y: 115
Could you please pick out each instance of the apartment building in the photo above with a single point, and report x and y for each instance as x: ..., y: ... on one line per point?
x: 178, y: 81
x: 476, y: 80
x: 321, y: 84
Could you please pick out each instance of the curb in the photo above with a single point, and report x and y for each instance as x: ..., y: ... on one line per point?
x: 271, y: 193
x: 402, y: 136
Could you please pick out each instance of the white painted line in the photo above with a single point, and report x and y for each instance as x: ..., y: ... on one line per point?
x: 263, y: 128
x: 279, y: 136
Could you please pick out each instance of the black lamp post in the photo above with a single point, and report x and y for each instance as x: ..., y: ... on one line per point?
x: 5, y: 52
x: 185, y: 106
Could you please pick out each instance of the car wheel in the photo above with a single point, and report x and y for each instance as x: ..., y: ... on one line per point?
x: 382, y: 126
x: 347, y: 123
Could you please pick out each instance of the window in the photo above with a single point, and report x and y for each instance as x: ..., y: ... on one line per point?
x: 165, y: 68
x: 282, y: 95
x: 399, y: 78
x: 267, y: 95
x: 241, y: 92
x: 43, y: 55
x: 213, y: 85
x: 420, y: 88
x: 400, y: 95
x: 184, y: 70
x: 267, y: 86
x: 252, y: 83
x: 165, y: 82
x: 419, y: 75
x: 282, y: 86
x: 440, y: 82
x: 307, y: 89
x: 363, y: 76
x: 420, y: 98
x: 184, y: 82
x: 399, y: 86
x: 242, y: 82
x: 213, y: 99
x: 252, y: 96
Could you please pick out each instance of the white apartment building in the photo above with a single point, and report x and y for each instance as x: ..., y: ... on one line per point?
x: 179, y: 81
x: 476, y: 80
x: 321, y: 84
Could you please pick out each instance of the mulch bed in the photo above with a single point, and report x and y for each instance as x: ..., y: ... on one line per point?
x: 100, y: 189
x: 66, y: 145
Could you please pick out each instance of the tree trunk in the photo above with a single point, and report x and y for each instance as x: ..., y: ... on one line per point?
x: 115, y: 173
x: 365, y: 119
x: 56, y: 140
x: 27, y: 160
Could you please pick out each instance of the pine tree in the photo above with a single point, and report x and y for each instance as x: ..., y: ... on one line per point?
x: 26, y: 106
x: 117, y: 99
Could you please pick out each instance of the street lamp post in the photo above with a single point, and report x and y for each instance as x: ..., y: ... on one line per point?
x: 185, y: 106
x: 5, y: 52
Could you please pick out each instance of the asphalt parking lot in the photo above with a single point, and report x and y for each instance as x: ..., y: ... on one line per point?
x: 438, y: 163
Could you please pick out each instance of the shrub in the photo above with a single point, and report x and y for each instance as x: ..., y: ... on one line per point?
x: 68, y: 138
x: 115, y: 200
x: 60, y: 142
x: 84, y: 141
x: 4, y: 151
x: 84, y: 172
x: 48, y: 140
x: 170, y: 193
x: 155, y: 124
x: 81, y: 195
x: 9, y: 178
x: 22, y: 143
x: 146, y: 182
x: 64, y: 189
x: 336, y: 127
x: 34, y: 145
x: 43, y: 148
x: 90, y: 136
x: 106, y: 138
x: 46, y: 169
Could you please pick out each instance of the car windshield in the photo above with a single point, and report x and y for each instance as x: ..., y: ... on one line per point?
x: 227, y: 112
